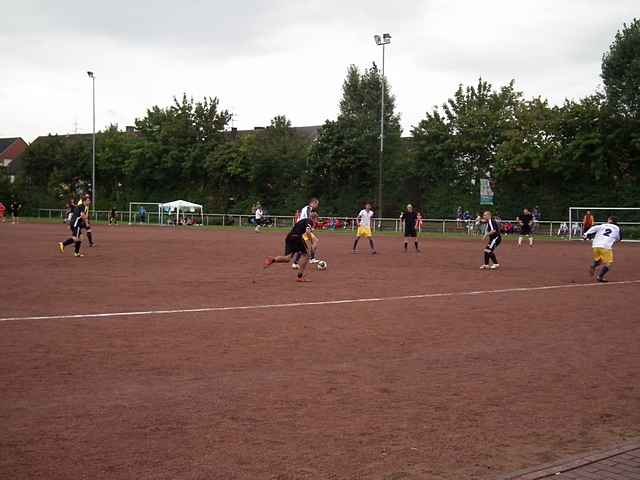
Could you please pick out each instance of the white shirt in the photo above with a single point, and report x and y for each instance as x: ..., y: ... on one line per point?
x: 259, y: 214
x: 364, y: 218
x: 306, y: 212
x: 606, y: 235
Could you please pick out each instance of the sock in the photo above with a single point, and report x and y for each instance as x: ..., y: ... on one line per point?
x: 355, y: 243
x: 67, y: 242
x: 519, y: 241
x: 296, y: 258
x: 299, y: 274
x: 371, y: 244
x: 486, y: 258
x: 493, y: 257
x: 90, y: 237
x: 416, y: 244
x: 77, y: 249
x: 405, y: 246
x: 595, y: 264
x: 531, y: 241
x: 603, y: 271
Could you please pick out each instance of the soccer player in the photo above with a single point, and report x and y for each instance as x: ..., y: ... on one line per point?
x: 258, y: 214
x: 587, y: 221
x: 113, y: 218
x: 409, y: 218
x: 86, y: 203
x: 364, y: 228
x: 15, y: 211
x: 525, y: 220
x: 305, y: 213
x: 493, y: 233
x: 297, y: 242
x: 604, y: 236
x: 76, y: 225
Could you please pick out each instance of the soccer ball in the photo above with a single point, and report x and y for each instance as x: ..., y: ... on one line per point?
x: 322, y: 265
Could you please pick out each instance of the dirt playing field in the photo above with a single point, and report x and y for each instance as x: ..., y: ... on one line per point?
x: 463, y: 385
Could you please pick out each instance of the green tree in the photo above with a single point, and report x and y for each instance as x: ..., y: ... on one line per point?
x: 621, y: 71
x: 343, y: 163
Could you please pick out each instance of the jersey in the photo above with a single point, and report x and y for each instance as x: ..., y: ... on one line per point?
x: 306, y: 212
x: 76, y: 217
x: 259, y: 213
x: 605, y: 235
x: 302, y: 227
x: 364, y: 218
x: 409, y: 219
x: 494, y: 227
x: 526, y: 219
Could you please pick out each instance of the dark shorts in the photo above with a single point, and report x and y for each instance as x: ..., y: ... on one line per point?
x: 410, y: 232
x: 493, y: 243
x: 77, y: 230
x: 525, y: 230
x: 294, y: 244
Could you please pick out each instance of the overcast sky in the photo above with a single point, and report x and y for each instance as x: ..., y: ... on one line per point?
x: 264, y: 58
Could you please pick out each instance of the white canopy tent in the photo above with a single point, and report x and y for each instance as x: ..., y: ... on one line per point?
x: 182, y: 206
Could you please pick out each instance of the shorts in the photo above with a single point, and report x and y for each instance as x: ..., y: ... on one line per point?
x: 295, y: 244
x: 604, y: 255
x: 525, y: 230
x: 493, y: 244
x: 410, y: 232
x: 364, y: 232
x: 77, y: 230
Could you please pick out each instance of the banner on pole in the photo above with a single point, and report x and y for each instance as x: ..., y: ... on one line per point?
x: 486, y: 192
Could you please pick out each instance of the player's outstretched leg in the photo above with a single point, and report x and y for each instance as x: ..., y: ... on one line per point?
x: 277, y: 259
x: 303, y: 265
x: 594, y: 265
x: 66, y: 243
x: 603, y: 271
x: 90, y: 237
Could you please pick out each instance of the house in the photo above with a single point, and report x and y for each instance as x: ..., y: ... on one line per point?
x: 11, y: 149
x: 310, y: 133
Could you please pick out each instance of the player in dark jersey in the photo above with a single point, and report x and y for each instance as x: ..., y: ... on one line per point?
x: 76, y: 224
x: 493, y: 233
x: 525, y: 220
x: 298, y: 242
x: 86, y: 201
x: 409, y: 218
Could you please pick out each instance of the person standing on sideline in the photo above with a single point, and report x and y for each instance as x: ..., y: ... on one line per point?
x: 3, y: 209
x: 409, y: 218
x: 364, y: 228
x: 525, y: 220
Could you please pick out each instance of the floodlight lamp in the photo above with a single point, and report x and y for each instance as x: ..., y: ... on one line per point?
x: 386, y: 38
x: 90, y: 74
x: 377, y: 39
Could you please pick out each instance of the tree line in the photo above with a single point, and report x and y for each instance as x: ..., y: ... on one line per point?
x: 584, y: 151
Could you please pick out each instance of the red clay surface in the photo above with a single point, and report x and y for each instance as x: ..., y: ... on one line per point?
x: 437, y: 388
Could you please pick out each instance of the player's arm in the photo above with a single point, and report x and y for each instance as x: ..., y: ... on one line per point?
x: 589, y: 234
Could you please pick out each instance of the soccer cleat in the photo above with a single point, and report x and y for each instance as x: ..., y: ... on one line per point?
x: 314, y: 260
x: 78, y: 255
x: 374, y: 252
x: 302, y: 280
x: 601, y: 280
x: 91, y: 245
x: 495, y: 266
x: 61, y: 247
x: 295, y: 266
x: 484, y: 267
x: 268, y: 261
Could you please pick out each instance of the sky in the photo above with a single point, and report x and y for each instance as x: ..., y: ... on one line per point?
x: 273, y: 57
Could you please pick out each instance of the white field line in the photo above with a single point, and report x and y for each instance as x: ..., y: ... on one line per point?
x: 320, y: 303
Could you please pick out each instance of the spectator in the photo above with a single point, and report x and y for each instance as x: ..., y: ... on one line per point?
x: 563, y: 230
x: 3, y: 209
x: 419, y: 222
x: 466, y: 216
x: 459, y: 216
x: 113, y: 220
x: 142, y: 213
x: 258, y: 215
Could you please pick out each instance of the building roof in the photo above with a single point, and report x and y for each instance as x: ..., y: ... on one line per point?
x: 310, y: 132
x: 6, y: 143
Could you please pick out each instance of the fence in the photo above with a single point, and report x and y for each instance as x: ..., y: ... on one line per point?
x: 430, y: 225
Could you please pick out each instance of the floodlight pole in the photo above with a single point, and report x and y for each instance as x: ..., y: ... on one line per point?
x: 93, y: 149
x: 381, y: 41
